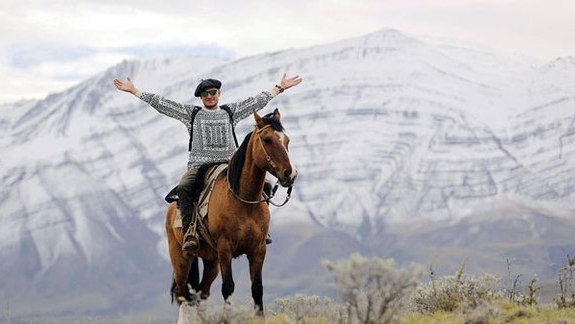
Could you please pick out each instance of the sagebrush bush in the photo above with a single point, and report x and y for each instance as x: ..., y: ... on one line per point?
x: 530, y: 298
x: 566, y: 298
x: 302, y: 308
x: 460, y: 291
x: 228, y: 314
x: 480, y: 314
x: 372, y: 289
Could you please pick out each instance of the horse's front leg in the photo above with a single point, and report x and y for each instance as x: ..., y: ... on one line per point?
x: 256, y: 260
x: 225, y: 258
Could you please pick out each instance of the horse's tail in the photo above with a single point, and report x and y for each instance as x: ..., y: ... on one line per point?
x: 173, y: 290
x: 194, y: 275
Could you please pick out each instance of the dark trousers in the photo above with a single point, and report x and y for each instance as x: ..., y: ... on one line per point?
x: 186, y: 192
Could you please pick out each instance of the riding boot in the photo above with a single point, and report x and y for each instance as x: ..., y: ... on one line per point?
x: 191, y: 241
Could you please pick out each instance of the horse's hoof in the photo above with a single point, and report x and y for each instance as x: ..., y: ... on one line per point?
x: 192, y: 301
x: 181, y: 300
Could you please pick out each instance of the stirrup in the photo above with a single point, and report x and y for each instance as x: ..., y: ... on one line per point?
x: 191, y: 240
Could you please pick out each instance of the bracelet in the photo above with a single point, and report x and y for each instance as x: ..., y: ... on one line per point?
x: 280, y: 89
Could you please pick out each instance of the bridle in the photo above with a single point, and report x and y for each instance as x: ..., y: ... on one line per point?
x: 274, y: 167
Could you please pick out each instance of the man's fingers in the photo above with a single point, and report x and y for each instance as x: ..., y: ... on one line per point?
x: 288, y: 82
x: 295, y: 80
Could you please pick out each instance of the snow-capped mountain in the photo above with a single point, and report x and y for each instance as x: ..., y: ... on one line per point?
x: 386, y: 130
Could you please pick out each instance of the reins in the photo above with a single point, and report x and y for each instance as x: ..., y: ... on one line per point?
x: 273, y: 165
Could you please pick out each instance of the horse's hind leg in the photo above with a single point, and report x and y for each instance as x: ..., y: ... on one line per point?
x: 225, y: 260
x: 211, y: 269
x: 181, y: 270
x: 256, y: 261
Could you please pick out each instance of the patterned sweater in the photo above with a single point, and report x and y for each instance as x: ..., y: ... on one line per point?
x: 213, y: 140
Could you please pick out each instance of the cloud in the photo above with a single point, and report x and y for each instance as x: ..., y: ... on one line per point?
x: 43, y: 40
x: 20, y: 84
x: 28, y: 55
x: 36, y: 70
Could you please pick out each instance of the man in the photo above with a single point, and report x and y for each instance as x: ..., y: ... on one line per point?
x: 212, y: 133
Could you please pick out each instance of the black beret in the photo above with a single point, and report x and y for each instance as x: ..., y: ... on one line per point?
x: 206, y: 84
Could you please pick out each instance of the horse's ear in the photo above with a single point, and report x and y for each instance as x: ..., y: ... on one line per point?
x: 257, y: 118
x: 277, y: 114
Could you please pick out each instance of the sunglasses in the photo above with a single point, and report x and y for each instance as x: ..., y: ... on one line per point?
x: 204, y: 94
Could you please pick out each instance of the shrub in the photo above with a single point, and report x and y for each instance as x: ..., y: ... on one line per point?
x: 481, y: 314
x: 451, y: 293
x: 371, y: 288
x: 228, y: 314
x: 303, y: 309
x: 530, y: 298
x: 566, y: 297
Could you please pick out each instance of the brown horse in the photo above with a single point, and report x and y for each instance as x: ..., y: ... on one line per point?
x: 238, y: 217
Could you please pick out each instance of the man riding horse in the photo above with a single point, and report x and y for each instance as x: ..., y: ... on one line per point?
x: 211, y: 127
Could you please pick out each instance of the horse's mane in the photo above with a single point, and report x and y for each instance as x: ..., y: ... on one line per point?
x: 237, y: 164
x: 238, y: 159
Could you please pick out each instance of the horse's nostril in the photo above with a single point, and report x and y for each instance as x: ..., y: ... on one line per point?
x: 287, y: 173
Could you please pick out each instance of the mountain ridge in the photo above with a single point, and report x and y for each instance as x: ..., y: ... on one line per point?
x: 387, y: 130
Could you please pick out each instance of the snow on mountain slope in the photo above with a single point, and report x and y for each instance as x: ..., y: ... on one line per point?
x: 386, y: 129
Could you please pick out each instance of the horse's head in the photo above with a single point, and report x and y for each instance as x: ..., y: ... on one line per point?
x: 271, y: 154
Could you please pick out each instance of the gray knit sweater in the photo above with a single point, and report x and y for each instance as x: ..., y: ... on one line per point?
x: 213, y: 140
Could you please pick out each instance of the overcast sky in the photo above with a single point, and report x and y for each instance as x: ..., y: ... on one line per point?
x: 50, y: 45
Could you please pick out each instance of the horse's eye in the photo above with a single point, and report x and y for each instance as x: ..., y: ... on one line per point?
x: 267, y: 141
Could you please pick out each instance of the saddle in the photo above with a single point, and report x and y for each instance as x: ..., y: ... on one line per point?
x: 205, y: 181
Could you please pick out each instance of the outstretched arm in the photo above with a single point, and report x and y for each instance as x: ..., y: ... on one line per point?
x: 161, y: 104
x: 247, y: 107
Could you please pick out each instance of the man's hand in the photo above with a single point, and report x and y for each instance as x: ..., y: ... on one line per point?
x: 287, y: 83
x: 127, y: 86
